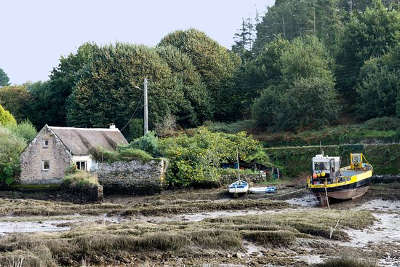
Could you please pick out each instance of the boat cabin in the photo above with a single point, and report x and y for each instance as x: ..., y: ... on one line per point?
x: 325, y: 167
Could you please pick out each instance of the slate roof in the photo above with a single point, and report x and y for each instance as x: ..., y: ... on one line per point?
x: 80, y: 140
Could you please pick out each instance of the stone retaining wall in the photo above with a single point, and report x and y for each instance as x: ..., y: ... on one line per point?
x: 133, y: 177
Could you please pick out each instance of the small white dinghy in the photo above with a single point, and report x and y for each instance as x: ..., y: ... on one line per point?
x: 239, y: 186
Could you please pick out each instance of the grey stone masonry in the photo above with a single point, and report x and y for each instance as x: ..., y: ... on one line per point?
x: 133, y: 177
x: 45, y: 159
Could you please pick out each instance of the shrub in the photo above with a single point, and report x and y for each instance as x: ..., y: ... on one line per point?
x: 11, y: 147
x: 195, y: 160
x: 234, y: 127
x: 167, y: 126
x: 148, y: 143
x: 80, y: 179
x: 25, y: 130
x: 6, y: 118
x: 382, y: 124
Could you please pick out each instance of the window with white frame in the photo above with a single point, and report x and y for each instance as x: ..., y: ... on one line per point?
x: 46, y: 143
x: 81, y: 165
x: 45, y: 165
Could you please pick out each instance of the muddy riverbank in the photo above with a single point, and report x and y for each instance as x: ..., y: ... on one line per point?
x: 201, y: 227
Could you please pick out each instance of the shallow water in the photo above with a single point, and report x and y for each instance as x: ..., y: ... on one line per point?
x: 39, y: 224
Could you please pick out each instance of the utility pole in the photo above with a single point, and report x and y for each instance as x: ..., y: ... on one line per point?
x: 314, y: 20
x: 146, y: 108
x: 283, y: 25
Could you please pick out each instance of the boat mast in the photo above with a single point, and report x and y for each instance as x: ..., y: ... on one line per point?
x: 237, y: 159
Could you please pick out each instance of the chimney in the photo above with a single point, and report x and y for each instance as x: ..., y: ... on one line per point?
x: 112, y: 126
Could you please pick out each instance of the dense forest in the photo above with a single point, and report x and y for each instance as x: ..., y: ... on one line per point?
x: 302, y: 64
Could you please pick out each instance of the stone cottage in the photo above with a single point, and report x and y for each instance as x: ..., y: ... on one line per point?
x: 54, y: 149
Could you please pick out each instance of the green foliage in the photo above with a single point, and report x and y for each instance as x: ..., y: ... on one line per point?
x: 24, y: 130
x: 123, y: 153
x: 379, y: 86
x: 11, y: 147
x: 232, y: 128
x: 4, y: 80
x: 16, y: 99
x: 195, y: 159
x: 135, y: 129
x: 215, y: 63
x: 295, y: 18
x: 383, y: 124
x: 6, y: 118
x: 49, y: 99
x: 368, y: 34
x: 304, y: 95
x: 195, y: 104
x: 103, y: 95
x: 80, y: 179
x: 129, y: 154
x: 148, y: 143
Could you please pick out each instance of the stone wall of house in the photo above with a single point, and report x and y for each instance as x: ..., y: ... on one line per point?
x: 133, y: 177
x: 32, y: 158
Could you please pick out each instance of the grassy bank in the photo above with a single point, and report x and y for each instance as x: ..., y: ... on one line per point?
x: 193, y: 243
x: 385, y: 158
x: 382, y: 130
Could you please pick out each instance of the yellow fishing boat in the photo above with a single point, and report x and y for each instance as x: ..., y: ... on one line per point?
x: 330, y: 181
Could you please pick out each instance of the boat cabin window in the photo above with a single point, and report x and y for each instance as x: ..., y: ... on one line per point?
x: 321, y: 166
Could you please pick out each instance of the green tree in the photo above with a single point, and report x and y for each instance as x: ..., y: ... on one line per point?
x: 16, y: 99
x: 6, y: 118
x: 253, y: 77
x: 379, y: 86
x: 244, y: 40
x: 106, y: 91
x: 4, y: 80
x: 215, y: 63
x: 368, y: 34
x: 195, y: 105
x: 295, y: 18
x: 304, y: 94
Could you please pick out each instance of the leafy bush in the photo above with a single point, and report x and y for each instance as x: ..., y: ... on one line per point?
x: 11, y: 147
x: 148, y: 143
x: 232, y: 128
x: 25, y: 130
x: 80, y: 179
x: 135, y: 129
x: 6, y: 118
x: 195, y: 159
x: 382, y: 124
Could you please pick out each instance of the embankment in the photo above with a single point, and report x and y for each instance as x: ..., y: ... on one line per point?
x: 297, y: 160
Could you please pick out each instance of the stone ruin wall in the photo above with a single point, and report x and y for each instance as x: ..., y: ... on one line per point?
x: 133, y: 177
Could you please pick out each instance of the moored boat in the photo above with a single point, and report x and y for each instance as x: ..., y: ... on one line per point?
x: 239, y: 187
x: 330, y: 181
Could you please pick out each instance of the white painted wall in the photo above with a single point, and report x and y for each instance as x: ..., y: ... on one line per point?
x: 90, y: 161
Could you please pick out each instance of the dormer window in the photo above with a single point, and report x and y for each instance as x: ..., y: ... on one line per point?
x: 45, y: 143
